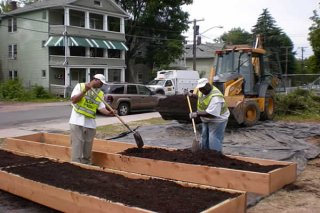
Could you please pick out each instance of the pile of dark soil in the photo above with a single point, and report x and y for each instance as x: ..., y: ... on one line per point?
x: 202, y: 157
x: 152, y: 194
x: 175, y: 107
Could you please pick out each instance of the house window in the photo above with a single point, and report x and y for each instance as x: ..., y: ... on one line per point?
x: 77, y: 18
x: 96, y: 52
x: 114, y: 53
x: 13, y: 74
x: 114, y: 75
x: 114, y: 24
x: 12, y: 24
x: 43, y: 73
x: 12, y: 51
x: 96, y: 21
x: 97, y: 3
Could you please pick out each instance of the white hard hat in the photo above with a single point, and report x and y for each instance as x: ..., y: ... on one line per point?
x: 202, y: 82
x: 100, y: 77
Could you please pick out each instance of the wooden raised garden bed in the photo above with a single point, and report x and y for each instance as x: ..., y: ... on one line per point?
x: 70, y: 187
x: 106, y: 154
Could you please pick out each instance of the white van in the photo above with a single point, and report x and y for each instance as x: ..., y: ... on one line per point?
x: 173, y: 82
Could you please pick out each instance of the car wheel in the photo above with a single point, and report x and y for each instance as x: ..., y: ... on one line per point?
x: 123, y: 109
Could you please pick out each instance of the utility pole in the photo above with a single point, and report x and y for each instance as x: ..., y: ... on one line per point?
x: 302, y: 60
x: 194, y: 49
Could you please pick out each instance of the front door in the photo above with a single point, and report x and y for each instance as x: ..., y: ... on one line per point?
x: 77, y: 76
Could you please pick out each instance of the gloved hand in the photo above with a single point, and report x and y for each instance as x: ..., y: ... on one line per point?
x: 187, y: 93
x: 193, y: 115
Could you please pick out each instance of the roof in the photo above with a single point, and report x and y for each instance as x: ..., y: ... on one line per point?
x: 44, y: 4
x: 245, y: 48
x: 40, y: 5
x: 206, y: 50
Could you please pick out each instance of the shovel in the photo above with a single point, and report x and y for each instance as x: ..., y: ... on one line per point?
x: 136, y: 135
x: 195, y: 144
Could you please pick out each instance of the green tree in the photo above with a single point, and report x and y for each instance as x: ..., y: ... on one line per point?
x: 312, y: 65
x: 4, y: 6
x: 26, y: 2
x: 314, y: 37
x: 237, y: 36
x: 154, y: 27
x: 278, y: 45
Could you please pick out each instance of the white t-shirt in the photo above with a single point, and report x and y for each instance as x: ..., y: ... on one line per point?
x: 79, y: 119
x: 214, y: 109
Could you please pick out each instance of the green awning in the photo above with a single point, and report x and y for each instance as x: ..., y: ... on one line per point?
x: 78, y: 42
x: 55, y: 41
x: 58, y: 41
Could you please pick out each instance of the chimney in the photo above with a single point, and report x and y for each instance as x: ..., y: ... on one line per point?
x: 13, y: 5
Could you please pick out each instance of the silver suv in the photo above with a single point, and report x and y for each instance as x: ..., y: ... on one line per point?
x: 129, y: 97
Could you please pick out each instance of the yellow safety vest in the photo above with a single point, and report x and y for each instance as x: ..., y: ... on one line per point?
x: 89, y: 103
x: 204, y: 101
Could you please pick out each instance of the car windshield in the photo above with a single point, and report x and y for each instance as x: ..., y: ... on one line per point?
x: 156, y: 82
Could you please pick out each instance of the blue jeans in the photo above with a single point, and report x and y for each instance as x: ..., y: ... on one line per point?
x: 212, y: 135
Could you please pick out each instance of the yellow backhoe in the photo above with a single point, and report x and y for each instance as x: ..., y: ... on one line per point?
x: 242, y: 74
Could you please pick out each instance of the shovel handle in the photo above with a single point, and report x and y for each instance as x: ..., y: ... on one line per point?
x: 110, y: 108
x: 193, y: 123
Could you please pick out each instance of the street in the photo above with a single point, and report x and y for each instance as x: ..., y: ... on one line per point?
x: 26, y: 118
x: 24, y: 115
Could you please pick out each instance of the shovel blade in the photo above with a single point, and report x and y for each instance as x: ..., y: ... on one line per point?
x: 138, y: 139
x: 195, y: 146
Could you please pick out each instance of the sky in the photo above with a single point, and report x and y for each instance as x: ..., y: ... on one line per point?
x: 292, y: 16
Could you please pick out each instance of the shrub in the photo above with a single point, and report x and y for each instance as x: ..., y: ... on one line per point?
x: 12, y: 90
x: 39, y: 92
x: 297, y: 103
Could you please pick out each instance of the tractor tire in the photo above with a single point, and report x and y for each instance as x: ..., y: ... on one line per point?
x: 268, y: 113
x: 251, y: 113
x: 123, y: 109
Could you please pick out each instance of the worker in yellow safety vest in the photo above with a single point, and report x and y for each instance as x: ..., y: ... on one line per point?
x: 214, y: 114
x: 82, y: 120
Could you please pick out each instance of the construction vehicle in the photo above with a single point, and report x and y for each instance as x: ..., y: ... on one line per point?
x: 242, y: 74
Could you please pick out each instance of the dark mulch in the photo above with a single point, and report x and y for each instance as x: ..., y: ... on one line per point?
x: 175, y: 107
x: 10, y: 159
x: 202, y: 157
x: 152, y: 194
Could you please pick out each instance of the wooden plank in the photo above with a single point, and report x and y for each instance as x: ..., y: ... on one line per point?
x: 213, y: 176
x: 33, y: 137
x: 64, y: 140
x: 71, y: 201
x: 236, y: 205
x: 278, y: 180
x: 39, y: 149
